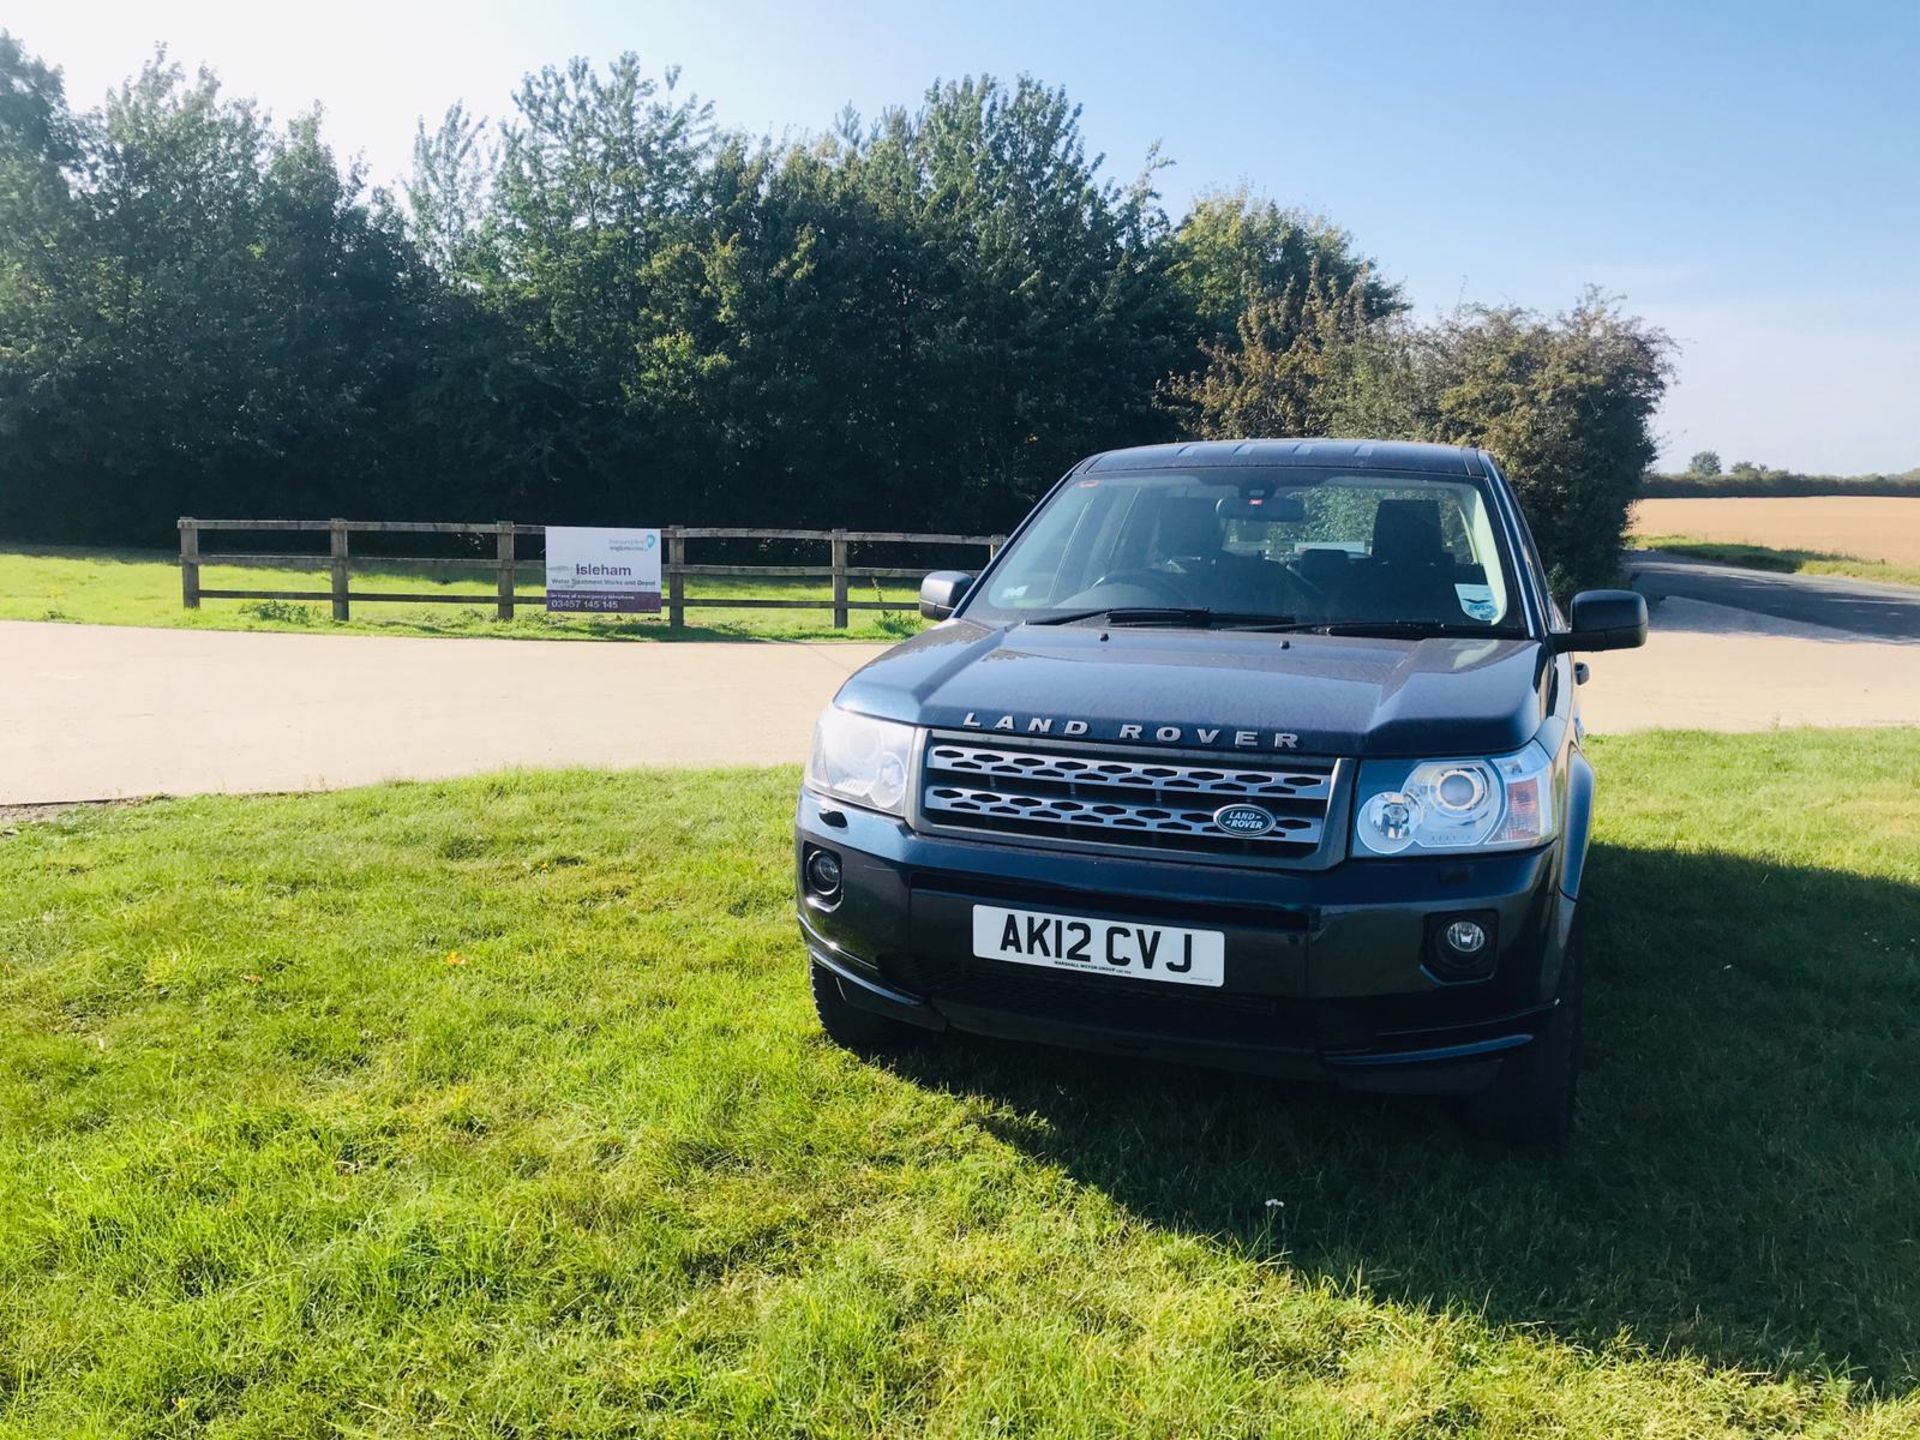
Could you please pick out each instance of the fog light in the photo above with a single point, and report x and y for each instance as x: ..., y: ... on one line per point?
x: 1461, y: 946
x: 823, y: 874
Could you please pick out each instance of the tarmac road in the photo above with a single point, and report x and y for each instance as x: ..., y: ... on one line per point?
x: 1859, y: 607
x: 100, y: 712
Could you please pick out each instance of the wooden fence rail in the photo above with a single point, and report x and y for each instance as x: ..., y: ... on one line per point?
x: 674, y: 569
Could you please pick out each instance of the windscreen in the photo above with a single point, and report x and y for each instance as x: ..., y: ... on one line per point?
x: 1292, y: 545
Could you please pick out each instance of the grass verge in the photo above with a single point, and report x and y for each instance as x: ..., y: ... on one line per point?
x: 1788, y: 562
x: 495, y: 1108
x: 142, y: 587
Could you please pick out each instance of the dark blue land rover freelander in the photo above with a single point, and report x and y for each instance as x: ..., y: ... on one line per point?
x: 1261, y: 754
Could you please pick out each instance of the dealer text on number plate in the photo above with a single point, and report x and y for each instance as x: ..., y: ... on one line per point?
x: 1100, y: 947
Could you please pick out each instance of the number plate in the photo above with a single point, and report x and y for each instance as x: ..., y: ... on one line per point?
x: 1100, y: 947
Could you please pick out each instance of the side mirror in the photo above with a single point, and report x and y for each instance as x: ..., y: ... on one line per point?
x: 1606, y: 620
x: 942, y: 591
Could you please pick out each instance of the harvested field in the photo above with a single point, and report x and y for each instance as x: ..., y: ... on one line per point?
x: 1873, y: 527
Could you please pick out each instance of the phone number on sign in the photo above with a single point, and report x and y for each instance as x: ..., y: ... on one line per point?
x: 620, y: 604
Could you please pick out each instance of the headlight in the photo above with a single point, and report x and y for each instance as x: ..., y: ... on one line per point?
x: 1505, y: 803
x: 861, y: 760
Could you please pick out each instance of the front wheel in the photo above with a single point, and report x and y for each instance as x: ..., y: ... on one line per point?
x: 848, y: 1025
x: 1530, y: 1101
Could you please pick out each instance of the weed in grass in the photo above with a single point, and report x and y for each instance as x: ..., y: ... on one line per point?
x: 895, y: 624
x: 280, y: 612
x: 270, y: 1163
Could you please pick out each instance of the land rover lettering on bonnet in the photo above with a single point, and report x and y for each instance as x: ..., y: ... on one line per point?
x: 1138, y: 732
x: 1260, y: 754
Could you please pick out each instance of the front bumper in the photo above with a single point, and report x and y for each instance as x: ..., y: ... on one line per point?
x: 1328, y: 972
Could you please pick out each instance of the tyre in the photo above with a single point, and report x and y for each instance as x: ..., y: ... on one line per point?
x: 1531, y: 1099
x: 848, y: 1025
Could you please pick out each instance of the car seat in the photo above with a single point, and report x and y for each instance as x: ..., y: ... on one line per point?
x: 1186, y: 526
x: 1325, y: 569
x: 1409, y: 573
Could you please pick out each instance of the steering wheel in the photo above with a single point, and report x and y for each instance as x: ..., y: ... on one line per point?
x: 1191, y: 564
x: 1160, y: 584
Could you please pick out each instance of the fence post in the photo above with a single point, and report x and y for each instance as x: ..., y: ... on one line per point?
x: 338, y: 530
x: 993, y: 547
x: 839, y: 579
x: 676, y: 577
x: 189, y: 563
x: 505, y: 607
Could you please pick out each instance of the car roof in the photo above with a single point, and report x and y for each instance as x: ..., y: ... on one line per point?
x: 1400, y: 455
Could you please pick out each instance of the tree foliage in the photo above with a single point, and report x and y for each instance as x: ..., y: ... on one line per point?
x: 203, y: 313
x: 1298, y: 363
x: 1749, y: 479
x: 1235, y: 250
x: 1566, y: 404
x: 606, y: 308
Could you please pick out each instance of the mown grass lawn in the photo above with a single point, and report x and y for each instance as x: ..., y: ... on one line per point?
x: 1786, y: 561
x: 142, y: 587
x: 496, y: 1108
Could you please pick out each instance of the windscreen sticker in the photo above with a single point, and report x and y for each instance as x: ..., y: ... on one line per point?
x: 1477, y: 601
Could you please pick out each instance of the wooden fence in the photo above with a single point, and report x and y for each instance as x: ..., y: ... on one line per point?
x: 674, y: 568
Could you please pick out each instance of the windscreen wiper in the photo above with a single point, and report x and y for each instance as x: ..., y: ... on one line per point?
x: 1378, y: 627
x: 1198, y: 616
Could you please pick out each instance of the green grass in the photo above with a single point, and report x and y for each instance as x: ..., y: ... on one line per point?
x: 496, y: 1108
x: 1788, y: 562
x: 142, y: 587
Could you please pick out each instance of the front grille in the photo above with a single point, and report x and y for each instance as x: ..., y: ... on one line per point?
x: 1094, y: 798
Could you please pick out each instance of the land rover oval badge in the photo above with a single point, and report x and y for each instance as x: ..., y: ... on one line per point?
x: 1246, y: 821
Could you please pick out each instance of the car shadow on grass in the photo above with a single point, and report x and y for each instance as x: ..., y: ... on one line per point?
x: 1745, y: 1182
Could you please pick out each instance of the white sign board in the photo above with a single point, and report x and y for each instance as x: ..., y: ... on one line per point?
x: 603, y: 570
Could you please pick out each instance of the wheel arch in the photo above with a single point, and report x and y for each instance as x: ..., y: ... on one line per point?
x: 1579, y: 825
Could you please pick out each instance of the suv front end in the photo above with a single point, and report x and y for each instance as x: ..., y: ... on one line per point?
x: 1320, y: 855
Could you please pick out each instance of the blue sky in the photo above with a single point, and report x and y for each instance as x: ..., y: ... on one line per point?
x: 1747, y: 175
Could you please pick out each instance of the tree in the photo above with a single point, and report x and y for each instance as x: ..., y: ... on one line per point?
x: 602, y: 309
x: 454, y: 166
x: 40, y: 155
x: 1566, y: 405
x: 1295, y: 367
x: 44, y: 265
x: 921, y: 320
x: 1705, y: 464
x: 205, y: 313
x: 1234, y: 251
